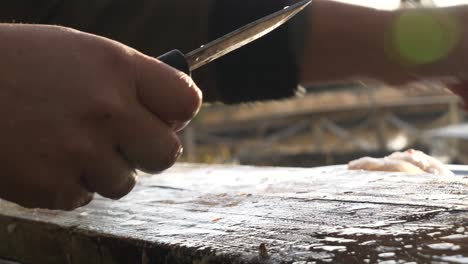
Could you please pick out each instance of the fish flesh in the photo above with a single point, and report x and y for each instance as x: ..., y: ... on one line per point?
x: 410, y: 161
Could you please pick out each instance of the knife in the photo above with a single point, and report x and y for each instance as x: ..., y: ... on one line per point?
x: 232, y: 41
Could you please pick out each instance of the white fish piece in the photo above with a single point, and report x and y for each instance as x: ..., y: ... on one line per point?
x: 423, y: 161
x: 410, y: 161
x: 384, y: 164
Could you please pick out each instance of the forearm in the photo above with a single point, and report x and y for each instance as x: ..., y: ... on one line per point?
x: 356, y: 43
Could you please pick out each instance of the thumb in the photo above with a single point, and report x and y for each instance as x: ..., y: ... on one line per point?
x: 166, y: 92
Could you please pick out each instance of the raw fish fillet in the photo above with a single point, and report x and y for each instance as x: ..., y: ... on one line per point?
x: 411, y: 162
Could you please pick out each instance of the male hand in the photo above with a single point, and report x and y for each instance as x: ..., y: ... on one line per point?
x: 79, y: 113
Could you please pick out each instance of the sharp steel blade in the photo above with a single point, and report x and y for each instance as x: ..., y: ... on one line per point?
x: 242, y: 36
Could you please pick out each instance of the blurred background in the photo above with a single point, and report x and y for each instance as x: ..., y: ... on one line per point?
x: 334, y: 124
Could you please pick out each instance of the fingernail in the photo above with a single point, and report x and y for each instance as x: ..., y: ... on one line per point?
x: 178, y: 126
x: 179, y: 152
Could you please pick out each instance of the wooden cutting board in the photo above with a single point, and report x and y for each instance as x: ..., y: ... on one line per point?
x: 238, y: 214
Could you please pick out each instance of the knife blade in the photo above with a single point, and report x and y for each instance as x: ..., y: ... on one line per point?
x: 232, y: 41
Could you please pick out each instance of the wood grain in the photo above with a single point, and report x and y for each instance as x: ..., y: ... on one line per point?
x: 234, y: 214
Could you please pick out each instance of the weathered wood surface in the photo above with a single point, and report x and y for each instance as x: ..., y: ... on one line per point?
x: 217, y: 214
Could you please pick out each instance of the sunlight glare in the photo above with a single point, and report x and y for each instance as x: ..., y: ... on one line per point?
x: 393, y: 4
x: 450, y: 2
x: 379, y: 4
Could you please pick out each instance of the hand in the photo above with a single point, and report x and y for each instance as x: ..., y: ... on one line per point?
x: 79, y: 113
x: 461, y: 89
x: 395, y: 47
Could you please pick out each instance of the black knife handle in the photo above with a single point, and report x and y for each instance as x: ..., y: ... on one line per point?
x: 176, y: 59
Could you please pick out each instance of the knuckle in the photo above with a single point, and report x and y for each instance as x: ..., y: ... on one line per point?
x: 115, y: 56
x: 104, y: 108
x: 109, y: 96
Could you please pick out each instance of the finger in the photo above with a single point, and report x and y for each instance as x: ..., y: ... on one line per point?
x: 56, y: 194
x: 147, y: 142
x: 166, y: 92
x: 71, y: 196
x: 109, y: 174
